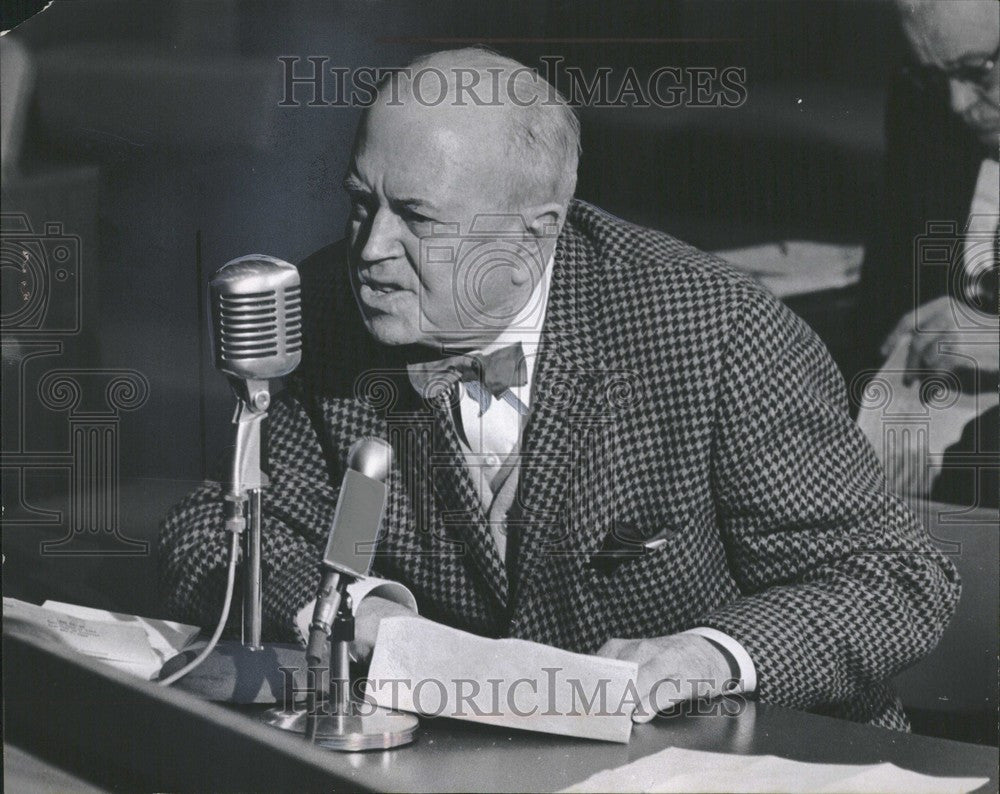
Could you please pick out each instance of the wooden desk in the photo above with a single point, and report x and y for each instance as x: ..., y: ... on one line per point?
x: 117, y: 732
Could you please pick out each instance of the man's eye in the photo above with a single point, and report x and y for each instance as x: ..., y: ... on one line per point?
x: 359, y: 204
x: 977, y: 72
x: 412, y: 216
x: 980, y: 73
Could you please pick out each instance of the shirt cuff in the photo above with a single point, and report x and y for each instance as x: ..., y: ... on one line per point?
x: 747, y: 683
x: 359, y: 590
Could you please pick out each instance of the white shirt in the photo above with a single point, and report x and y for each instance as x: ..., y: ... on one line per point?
x: 491, y: 439
x: 977, y: 250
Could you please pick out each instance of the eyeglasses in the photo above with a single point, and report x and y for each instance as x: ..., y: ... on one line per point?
x: 981, y: 74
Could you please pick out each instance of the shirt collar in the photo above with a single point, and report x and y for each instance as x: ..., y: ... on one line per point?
x: 526, y: 328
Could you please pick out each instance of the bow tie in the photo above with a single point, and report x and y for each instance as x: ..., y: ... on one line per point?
x: 498, y: 372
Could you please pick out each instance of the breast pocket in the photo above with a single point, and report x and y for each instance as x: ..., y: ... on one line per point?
x: 628, y: 546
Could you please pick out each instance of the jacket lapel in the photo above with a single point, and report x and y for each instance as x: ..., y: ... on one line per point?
x: 431, y: 490
x: 563, y: 495
x: 428, y: 453
x: 462, y: 508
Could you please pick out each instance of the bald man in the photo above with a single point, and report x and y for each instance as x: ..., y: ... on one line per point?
x: 604, y: 440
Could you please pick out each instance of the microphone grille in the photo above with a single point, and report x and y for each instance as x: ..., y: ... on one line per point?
x: 257, y: 317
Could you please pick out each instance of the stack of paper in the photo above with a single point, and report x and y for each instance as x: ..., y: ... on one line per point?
x: 675, y: 769
x: 133, y: 644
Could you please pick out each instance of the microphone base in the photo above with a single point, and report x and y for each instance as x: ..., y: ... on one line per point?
x: 380, y: 730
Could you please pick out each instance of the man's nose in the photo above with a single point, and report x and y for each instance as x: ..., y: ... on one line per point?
x: 963, y: 95
x: 383, y: 241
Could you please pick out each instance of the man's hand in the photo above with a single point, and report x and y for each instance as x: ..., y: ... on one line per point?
x: 951, y: 338
x: 367, y: 616
x: 672, y: 670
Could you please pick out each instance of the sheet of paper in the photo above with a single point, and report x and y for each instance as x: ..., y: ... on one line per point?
x: 797, y: 267
x: 105, y: 641
x: 430, y: 669
x: 679, y: 770
x: 166, y: 637
x: 911, y: 426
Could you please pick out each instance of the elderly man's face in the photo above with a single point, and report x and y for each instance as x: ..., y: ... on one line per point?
x: 415, y: 167
x: 958, y: 39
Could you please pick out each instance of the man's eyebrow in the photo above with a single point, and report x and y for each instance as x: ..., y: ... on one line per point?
x: 970, y: 59
x: 354, y: 184
x: 415, y: 204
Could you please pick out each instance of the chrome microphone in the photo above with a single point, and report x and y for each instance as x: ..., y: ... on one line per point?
x: 257, y: 317
x: 349, y: 550
x: 257, y: 335
x: 353, y: 534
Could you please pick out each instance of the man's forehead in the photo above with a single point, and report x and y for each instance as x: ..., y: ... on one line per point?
x: 947, y: 32
x: 431, y: 143
x: 447, y: 119
x: 392, y: 134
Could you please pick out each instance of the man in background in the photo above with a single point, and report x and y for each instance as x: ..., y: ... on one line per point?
x: 926, y: 320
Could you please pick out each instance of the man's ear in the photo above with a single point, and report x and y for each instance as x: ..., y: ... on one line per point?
x: 544, y: 220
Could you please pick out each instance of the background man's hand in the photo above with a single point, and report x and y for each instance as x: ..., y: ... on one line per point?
x: 672, y: 670
x: 950, y: 338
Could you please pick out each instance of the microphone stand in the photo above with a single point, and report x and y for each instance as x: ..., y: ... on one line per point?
x: 242, y: 511
x: 243, y: 498
x: 343, y: 728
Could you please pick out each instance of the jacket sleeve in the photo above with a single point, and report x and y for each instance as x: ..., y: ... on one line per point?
x: 298, y: 507
x: 840, y: 586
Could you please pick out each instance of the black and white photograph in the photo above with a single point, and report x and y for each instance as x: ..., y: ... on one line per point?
x: 513, y: 395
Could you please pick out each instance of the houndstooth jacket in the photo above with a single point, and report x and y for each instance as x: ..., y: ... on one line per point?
x: 673, y: 399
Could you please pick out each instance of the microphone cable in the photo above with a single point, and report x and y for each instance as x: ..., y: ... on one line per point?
x: 223, y: 619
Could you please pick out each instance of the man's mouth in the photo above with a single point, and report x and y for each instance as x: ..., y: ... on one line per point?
x: 381, y: 289
x: 376, y: 292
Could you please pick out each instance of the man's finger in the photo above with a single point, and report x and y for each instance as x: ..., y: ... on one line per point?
x: 611, y: 649
x: 667, y: 693
x: 915, y: 356
x: 937, y: 361
x: 902, y: 329
x: 360, y: 651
